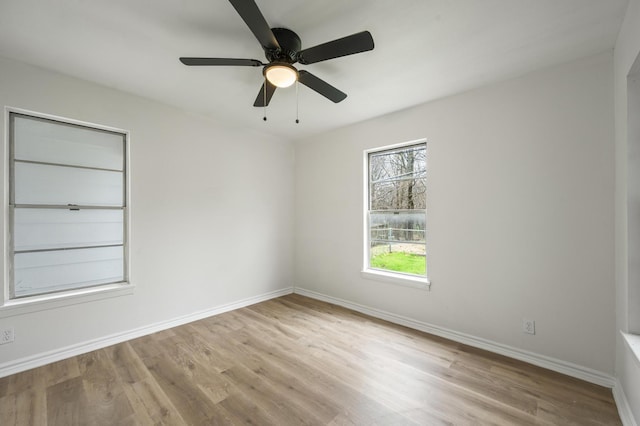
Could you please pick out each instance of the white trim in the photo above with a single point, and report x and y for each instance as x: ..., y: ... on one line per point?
x: 633, y: 341
x: 395, y: 146
x: 27, y: 363
x: 624, y: 409
x: 61, y: 119
x: 396, y: 278
x: 4, y: 294
x: 554, y: 364
x: 56, y: 300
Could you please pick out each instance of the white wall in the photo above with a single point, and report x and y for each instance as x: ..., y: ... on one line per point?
x: 626, y: 51
x: 520, y: 212
x: 211, y: 211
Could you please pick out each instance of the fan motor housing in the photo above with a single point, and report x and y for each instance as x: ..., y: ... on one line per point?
x: 290, y: 45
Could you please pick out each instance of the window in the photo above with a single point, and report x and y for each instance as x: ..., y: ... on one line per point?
x: 396, y: 212
x: 67, y: 206
x: 633, y: 199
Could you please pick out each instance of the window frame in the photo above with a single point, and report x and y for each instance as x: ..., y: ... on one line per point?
x: 631, y: 324
x: 19, y: 305
x: 408, y: 280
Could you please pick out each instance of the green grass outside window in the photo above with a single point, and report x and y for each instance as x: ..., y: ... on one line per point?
x: 400, y: 262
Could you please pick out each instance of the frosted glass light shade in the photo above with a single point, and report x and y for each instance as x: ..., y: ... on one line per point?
x: 281, y: 75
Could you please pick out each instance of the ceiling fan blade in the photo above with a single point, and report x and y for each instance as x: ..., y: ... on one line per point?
x: 355, y: 43
x: 251, y: 15
x: 321, y: 86
x: 222, y: 61
x: 260, y: 99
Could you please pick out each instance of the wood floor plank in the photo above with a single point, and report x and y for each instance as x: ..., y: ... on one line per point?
x: 24, y: 408
x: 60, y: 371
x: 23, y: 382
x: 244, y: 411
x: 191, y: 402
x: 295, y: 361
x: 281, y: 409
x: 126, y: 363
x: 151, y: 405
x: 103, y: 390
x: 67, y: 403
x: 215, y: 386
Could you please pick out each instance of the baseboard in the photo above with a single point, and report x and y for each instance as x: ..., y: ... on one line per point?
x: 624, y: 409
x: 570, y: 369
x: 27, y: 363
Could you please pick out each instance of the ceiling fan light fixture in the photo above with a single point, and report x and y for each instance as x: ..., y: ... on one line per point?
x: 281, y: 74
x: 283, y: 48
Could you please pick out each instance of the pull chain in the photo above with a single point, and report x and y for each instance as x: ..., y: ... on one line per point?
x: 297, y: 102
x: 264, y: 104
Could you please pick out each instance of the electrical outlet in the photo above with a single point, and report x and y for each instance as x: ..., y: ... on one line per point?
x: 528, y: 326
x: 6, y: 335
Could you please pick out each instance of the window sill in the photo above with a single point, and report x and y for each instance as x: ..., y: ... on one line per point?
x: 57, y: 300
x: 633, y: 340
x: 399, y: 279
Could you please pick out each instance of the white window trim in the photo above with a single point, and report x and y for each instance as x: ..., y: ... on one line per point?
x: 395, y: 278
x: 10, y: 307
x: 633, y: 341
x: 26, y: 305
x: 398, y: 278
x: 631, y: 333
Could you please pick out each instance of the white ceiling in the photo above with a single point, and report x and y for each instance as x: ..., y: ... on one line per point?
x: 424, y: 50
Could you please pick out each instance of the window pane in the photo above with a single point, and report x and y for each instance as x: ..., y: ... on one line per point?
x: 397, y: 242
x: 397, y: 227
x: 404, y: 194
x: 37, y: 229
x: 44, y: 272
x: 45, y: 184
x: 397, y: 179
x: 399, y: 257
x: 52, y: 142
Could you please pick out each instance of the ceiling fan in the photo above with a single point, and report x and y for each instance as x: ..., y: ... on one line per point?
x: 283, y: 48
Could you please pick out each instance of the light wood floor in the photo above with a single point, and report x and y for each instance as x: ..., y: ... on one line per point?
x: 291, y: 361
